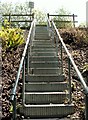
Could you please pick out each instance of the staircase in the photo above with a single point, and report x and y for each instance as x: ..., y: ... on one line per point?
x: 45, y: 89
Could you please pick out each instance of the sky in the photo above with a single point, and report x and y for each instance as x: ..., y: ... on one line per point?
x: 77, y: 7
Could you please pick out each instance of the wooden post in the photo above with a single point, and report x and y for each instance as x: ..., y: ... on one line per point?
x: 10, y: 20
x: 9, y: 17
x: 48, y: 15
x: 74, y: 20
x: 32, y: 16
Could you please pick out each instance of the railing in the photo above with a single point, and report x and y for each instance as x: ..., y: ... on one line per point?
x: 16, y: 15
x: 11, y: 19
x: 64, y: 21
x: 23, y: 62
x: 56, y: 33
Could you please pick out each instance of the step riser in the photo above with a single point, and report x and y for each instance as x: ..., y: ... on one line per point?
x: 44, y: 65
x: 43, y: 47
x: 43, y: 50
x: 59, y: 78
x: 42, y: 43
x: 44, y: 32
x: 43, y: 54
x: 45, y: 98
x: 47, y: 112
x: 46, y: 71
x: 42, y: 35
x: 42, y: 38
x: 41, y: 29
x: 47, y: 87
x: 44, y: 58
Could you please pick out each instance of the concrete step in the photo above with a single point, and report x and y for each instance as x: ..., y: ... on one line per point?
x: 49, y: 119
x: 41, y: 30
x: 46, y: 87
x: 41, y: 38
x: 45, y: 71
x: 45, y: 78
x: 44, y: 33
x: 45, y: 97
x: 47, y: 111
x: 42, y: 41
x: 44, y: 64
x: 41, y: 35
x: 43, y: 54
x: 42, y: 46
x: 44, y: 58
x: 43, y: 50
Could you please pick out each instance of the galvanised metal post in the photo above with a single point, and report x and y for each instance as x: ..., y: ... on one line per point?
x: 69, y: 77
x: 86, y: 109
x: 23, y: 77
x: 61, y: 58
x: 28, y: 59
x: 57, y: 44
x: 86, y: 102
x: 14, y: 108
x: 52, y: 34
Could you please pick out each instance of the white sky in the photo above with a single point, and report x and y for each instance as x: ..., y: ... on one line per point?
x: 77, y: 7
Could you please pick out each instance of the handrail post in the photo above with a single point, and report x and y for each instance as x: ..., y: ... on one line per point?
x: 28, y: 60
x: 86, y: 107
x: 57, y: 44
x: 23, y: 77
x: 52, y: 35
x: 86, y: 102
x: 69, y: 77
x: 14, y: 108
x: 61, y: 58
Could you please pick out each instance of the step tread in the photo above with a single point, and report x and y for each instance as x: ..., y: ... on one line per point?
x: 44, y: 58
x: 50, y: 119
x: 45, y: 93
x: 48, y: 87
x: 45, y: 62
x: 45, y: 70
x: 45, y: 97
x: 47, y: 111
x: 45, y: 78
x: 41, y: 75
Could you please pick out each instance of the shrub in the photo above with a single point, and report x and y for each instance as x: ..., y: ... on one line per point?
x: 74, y: 36
x: 11, y: 37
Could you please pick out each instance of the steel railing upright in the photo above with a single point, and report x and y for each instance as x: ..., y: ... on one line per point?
x: 70, y: 62
x: 23, y: 62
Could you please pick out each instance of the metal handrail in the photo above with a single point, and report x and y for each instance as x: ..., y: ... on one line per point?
x: 13, y: 93
x: 70, y: 60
